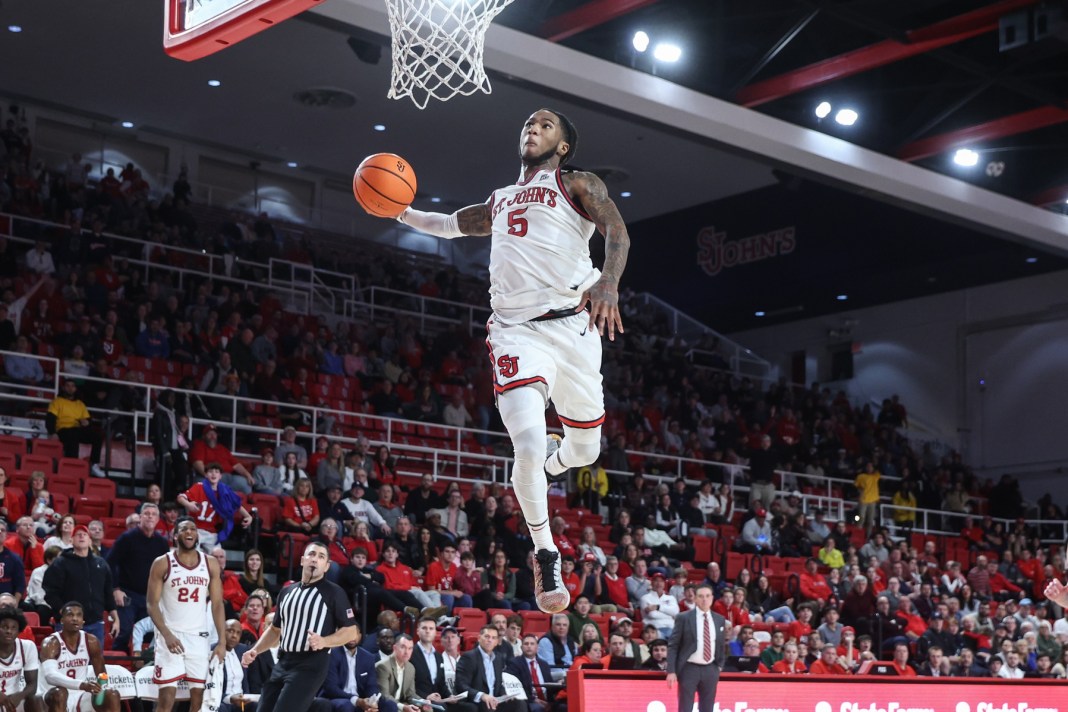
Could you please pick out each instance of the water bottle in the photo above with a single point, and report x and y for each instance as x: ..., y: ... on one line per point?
x: 102, y: 680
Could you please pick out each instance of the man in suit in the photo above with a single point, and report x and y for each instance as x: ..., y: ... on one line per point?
x: 696, y: 652
x: 396, y: 676
x: 528, y: 665
x: 480, y: 674
x: 429, y: 667
x: 234, y: 682
x: 351, y: 679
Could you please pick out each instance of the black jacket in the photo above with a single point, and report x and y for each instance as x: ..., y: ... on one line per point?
x: 471, y: 676
x: 85, y: 579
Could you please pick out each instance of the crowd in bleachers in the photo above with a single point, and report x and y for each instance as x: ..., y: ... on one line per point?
x: 636, y: 539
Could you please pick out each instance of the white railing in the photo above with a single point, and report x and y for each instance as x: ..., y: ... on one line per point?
x: 428, y: 310
x: 741, y: 360
x: 938, y: 522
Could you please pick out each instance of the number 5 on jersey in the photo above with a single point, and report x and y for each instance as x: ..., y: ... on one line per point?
x: 517, y: 224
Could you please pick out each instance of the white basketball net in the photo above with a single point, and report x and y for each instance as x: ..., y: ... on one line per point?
x: 437, y: 47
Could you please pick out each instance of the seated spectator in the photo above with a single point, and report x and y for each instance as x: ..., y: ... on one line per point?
x: 12, y: 502
x: 756, y: 535
x: 658, y: 608
x: 266, y: 478
x: 300, y: 513
x: 25, y: 367
x: 69, y: 420
x: 153, y: 342
x: 208, y: 449
x: 213, y: 505
x: 331, y: 469
x: 790, y: 664
x: 830, y: 556
x: 813, y: 586
x: 830, y: 663
x: 901, y: 661
x: 387, y: 507
x: 363, y: 511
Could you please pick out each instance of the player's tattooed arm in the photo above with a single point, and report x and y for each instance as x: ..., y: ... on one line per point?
x: 603, y: 297
x: 475, y: 220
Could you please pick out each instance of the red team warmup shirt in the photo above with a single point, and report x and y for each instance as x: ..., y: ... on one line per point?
x: 440, y: 579
x: 399, y: 577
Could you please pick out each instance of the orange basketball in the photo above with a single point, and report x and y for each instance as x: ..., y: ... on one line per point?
x: 384, y: 185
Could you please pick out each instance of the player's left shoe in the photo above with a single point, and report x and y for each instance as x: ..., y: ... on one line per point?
x: 552, y: 444
x: 550, y: 593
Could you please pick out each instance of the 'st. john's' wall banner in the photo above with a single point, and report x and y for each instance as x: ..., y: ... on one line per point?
x: 715, y: 252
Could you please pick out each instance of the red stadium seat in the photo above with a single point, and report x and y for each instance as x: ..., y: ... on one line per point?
x: 99, y: 489
x: 114, y: 527
x: 9, y: 462
x: 93, y: 507
x: 39, y: 463
x: 50, y: 448
x: 536, y: 622
x: 73, y: 467
x: 13, y: 444
x: 122, y: 507
x: 470, y: 618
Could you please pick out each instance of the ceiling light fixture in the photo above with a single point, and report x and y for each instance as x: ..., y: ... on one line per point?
x: 625, y: 194
x: 214, y: 83
x: 966, y: 157
x: 292, y: 164
x: 14, y: 28
x: 758, y: 313
x: 1031, y: 260
x: 127, y: 124
x: 380, y: 127
x: 640, y: 41
x: 667, y: 52
x: 823, y: 110
x: 435, y: 199
x: 846, y: 117
x: 842, y: 297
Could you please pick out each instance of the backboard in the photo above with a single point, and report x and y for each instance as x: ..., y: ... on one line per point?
x: 196, y: 28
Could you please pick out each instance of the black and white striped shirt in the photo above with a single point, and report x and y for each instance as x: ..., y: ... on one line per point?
x: 322, y: 607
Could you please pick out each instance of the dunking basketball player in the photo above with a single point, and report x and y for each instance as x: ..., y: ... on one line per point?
x: 541, y: 344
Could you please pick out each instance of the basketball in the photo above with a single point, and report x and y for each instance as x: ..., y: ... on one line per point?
x: 384, y: 185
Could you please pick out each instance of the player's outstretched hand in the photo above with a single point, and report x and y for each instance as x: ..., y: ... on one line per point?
x: 1056, y: 592
x: 603, y: 299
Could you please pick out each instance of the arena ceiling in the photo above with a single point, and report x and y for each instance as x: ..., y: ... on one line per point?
x: 926, y: 77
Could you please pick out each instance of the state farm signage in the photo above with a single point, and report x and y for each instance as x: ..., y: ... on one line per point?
x: 715, y: 253
x: 611, y: 691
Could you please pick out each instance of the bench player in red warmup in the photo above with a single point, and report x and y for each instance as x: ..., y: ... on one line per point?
x: 542, y: 346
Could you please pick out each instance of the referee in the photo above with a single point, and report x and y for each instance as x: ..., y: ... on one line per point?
x: 312, y: 617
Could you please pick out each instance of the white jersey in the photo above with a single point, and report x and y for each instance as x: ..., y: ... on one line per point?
x: 74, y: 664
x: 184, y: 599
x: 540, y: 255
x: 24, y: 657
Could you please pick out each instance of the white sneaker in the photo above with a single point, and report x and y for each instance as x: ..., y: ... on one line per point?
x: 552, y: 444
x: 97, y: 471
x: 549, y: 591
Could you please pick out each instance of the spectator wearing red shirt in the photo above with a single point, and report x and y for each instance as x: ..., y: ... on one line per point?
x: 300, y: 513
x: 212, y: 505
x: 234, y: 597
x: 571, y: 580
x: 1000, y: 586
x: 901, y: 661
x: 813, y: 585
x: 614, y: 586
x: 829, y: 663
x: 1030, y: 567
x: 440, y: 577
x: 557, y: 526
x: 790, y: 664
x: 913, y: 624
x: 401, y: 580
x: 801, y: 628
x: 208, y: 449
x: 24, y: 544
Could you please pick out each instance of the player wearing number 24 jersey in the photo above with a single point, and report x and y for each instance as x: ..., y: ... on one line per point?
x: 18, y: 663
x: 183, y: 585
x: 542, y: 346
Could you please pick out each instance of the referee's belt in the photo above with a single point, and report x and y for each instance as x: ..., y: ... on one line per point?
x: 558, y: 314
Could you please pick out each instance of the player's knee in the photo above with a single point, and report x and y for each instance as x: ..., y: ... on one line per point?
x: 584, y: 453
x: 529, y: 447
x: 581, y: 446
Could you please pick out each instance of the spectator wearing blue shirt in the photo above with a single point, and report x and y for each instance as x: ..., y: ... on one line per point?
x: 23, y: 369
x: 153, y: 342
x: 12, y: 572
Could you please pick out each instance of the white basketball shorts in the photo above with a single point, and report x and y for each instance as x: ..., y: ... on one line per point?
x: 190, y: 665
x: 561, y: 357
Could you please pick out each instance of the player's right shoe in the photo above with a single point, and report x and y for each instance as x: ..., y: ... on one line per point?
x: 549, y: 591
x: 552, y: 444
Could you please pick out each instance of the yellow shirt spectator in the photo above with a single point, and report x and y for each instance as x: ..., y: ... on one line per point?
x: 868, y: 484
x: 905, y: 503
x: 68, y: 412
x: 832, y: 558
x: 595, y: 478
